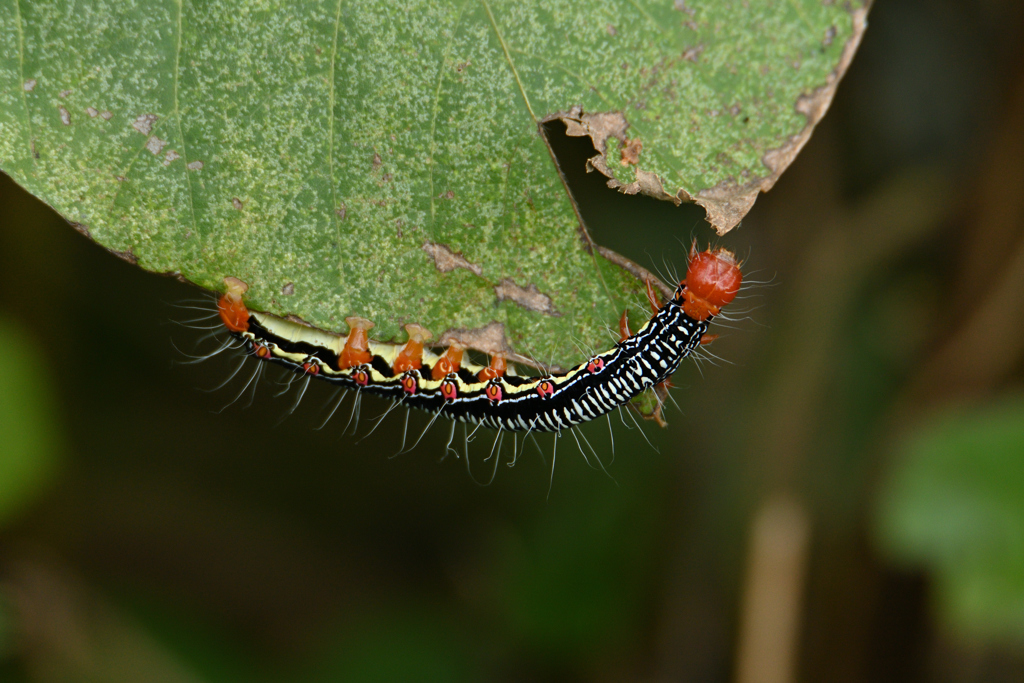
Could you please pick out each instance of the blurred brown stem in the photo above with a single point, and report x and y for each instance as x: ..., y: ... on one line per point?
x: 773, y: 592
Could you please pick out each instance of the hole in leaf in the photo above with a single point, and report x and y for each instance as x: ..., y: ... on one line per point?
x: 642, y: 228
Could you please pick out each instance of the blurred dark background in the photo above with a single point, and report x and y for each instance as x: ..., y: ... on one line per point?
x: 840, y: 498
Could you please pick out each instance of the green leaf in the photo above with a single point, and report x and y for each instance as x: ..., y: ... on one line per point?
x: 954, y: 503
x: 30, y: 444
x: 389, y: 159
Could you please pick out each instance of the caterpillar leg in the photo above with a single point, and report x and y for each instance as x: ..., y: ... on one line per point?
x: 655, y: 302
x: 661, y: 394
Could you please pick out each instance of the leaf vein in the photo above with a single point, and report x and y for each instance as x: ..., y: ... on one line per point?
x: 433, y: 115
x: 177, y: 118
x: 21, y: 70
x: 508, y: 58
x: 330, y: 142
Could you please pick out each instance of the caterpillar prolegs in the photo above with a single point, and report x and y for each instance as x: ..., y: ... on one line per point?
x: 452, y: 387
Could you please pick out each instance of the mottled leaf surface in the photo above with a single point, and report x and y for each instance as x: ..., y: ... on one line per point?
x: 385, y: 159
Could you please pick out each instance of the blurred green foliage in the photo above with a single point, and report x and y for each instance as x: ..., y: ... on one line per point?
x: 954, y: 504
x: 31, y: 438
x: 410, y: 643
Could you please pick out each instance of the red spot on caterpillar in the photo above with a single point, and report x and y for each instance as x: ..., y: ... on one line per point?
x: 410, y: 383
x: 361, y: 377
x: 233, y: 312
x: 712, y: 280
x: 311, y: 368
x: 357, y: 346
x: 411, y: 355
x: 261, y: 351
x: 449, y: 390
x: 595, y: 365
x: 450, y: 362
x: 493, y: 391
x: 494, y: 370
x: 546, y: 388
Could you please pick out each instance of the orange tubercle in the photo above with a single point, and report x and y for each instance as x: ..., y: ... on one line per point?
x: 712, y: 280
x: 233, y: 312
x: 495, y: 369
x: 450, y: 362
x: 411, y: 355
x: 357, y: 346
x: 652, y: 296
x: 624, y: 326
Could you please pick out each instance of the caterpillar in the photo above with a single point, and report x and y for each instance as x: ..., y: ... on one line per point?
x: 449, y: 385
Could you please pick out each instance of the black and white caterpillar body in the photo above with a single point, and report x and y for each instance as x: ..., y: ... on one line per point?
x: 449, y: 387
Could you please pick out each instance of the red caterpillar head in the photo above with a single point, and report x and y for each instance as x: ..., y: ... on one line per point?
x: 712, y: 280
